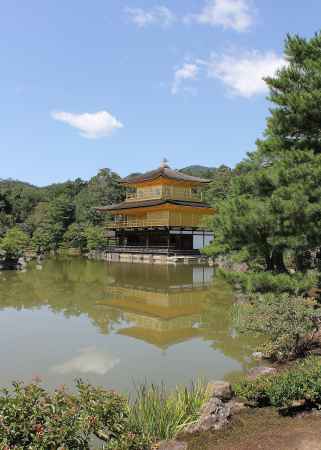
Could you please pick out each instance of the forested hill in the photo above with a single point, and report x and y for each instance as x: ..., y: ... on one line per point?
x: 59, y: 213
x: 199, y: 171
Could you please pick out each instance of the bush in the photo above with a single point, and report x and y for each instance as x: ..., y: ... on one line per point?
x: 287, y: 322
x: 32, y: 418
x: 14, y: 242
x: 263, y: 282
x: 96, y: 237
x: 161, y: 414
x: 74, y: 236
x: 302, y: 382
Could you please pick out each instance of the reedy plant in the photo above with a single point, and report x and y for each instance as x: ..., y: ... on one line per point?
x: 161, y: 414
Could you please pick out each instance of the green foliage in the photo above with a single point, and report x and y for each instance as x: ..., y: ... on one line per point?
x: 55, y: 214
x: 302, y: 382
x: 220, y: 185
x: 95, y: 237
x: 47, y: 236
x: 74, y: 237
x: 14, y: 242
x: 161, y: 414
x: 32, y: 418
x: 61, y: 210
x: 265, y: 282
x: 103, y: 189
x: 288, y: 323
x: 274, y: 201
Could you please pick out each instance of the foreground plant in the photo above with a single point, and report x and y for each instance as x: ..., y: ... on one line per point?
x: 288, y: 323
x: 302, y: 382
x: 32, y: 418
x: 161, y: 414
x: 267, y: 282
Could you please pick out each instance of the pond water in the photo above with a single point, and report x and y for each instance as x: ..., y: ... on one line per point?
x: 117, y: 324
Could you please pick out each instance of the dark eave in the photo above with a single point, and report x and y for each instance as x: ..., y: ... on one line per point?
x: 165, y: 172
x: 149, y: 203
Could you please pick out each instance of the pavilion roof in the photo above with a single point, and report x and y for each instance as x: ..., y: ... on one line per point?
x: 161, y: 339
x: 163, y: 171
x: 149, y: 203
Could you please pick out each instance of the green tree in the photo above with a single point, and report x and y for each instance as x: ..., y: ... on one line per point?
x: 220, y: 185
x: 274, y: 202
x: 103, y: 189
x: 74, y: 236
x: 14, y: 242
x: 96, y: 237
x: 47, y: 236
x: 287, y: 323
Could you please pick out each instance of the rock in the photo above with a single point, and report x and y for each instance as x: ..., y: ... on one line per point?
x: 259, y: 371
x: 214, y: 416
x: 21, y: 262
x: 257, y: 355
x: 10, y: 264
x: 226, y: 263
x: 314, y: 293
x: 235, y: 406
x: 171, y: 445
x: 298, y: 403
x: 220, y: 389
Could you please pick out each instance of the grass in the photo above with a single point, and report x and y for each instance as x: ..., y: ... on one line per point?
x: 161, y: 414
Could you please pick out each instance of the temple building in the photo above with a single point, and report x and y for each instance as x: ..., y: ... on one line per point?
x: 163, y: 213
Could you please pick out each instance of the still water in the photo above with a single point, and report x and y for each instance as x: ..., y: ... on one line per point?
x: 117, y: 324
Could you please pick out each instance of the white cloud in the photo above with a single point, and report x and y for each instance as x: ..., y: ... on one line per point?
x: 235, y: 14
x: 92, y: 125
x: 187, y: 72
x: 243, y: 75
x: 89, y: 360
x: 158, y: 15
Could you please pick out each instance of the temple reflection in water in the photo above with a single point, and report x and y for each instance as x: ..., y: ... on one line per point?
x: 163, y: 308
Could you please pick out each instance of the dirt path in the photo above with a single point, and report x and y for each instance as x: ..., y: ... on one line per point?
x: 264, y: 429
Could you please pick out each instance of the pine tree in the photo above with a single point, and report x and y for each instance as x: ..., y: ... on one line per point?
x: 274, y: 204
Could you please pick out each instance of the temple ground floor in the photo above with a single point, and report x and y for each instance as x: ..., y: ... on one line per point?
x: 161, y: 241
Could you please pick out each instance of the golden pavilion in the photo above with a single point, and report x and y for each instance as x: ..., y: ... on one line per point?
x: 163, y: 213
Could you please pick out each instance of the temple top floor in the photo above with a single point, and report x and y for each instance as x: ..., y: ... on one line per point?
x: 164, y: 183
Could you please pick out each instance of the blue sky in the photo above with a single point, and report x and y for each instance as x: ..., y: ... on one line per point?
x: 123, y: 84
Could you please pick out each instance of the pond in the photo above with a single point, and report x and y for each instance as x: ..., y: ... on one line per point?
x: 117, y: 324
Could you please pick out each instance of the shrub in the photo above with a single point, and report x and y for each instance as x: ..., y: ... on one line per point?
x: 287, y: 322
x: 96, y: 237
x: 263, y: 282
x: 302, y: 382
x: 14, y: 242
x: 161, y: 414
x: 32, y: 418
x: 74, y: 236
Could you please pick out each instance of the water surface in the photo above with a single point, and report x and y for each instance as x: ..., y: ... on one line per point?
x: 116, y: 324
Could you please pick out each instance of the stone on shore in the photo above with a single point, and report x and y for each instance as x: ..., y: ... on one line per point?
x: 259, y: 371
x: 214, y: 416
x: 220, y: 389
x: 171, y: 445
x: 257, y: 355
x: 236, y: 407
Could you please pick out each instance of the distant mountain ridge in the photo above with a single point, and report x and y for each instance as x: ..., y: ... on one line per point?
x: 199, y: 171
